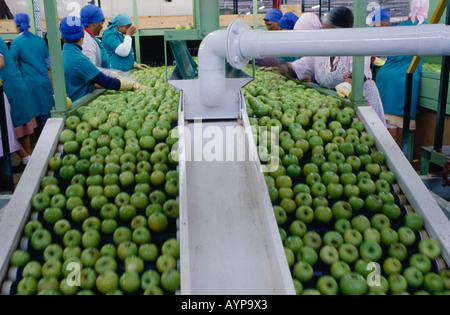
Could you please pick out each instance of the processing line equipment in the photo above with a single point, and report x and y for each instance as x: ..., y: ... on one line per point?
x: 230, y: 242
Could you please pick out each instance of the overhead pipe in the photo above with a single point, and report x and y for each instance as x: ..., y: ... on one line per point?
x: 239, y: 44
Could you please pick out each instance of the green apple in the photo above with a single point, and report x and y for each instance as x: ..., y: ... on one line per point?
x: 433, y: 283
x: 148, y: 252
x: 333, y: 238
x: 52, y: 268
x: 356, y: 202
x: 107, y: 282
x: 327, y: 285
x: 303, y: 271
x: 373, y: 203
x: 421, y: 262
x: 406, y: 236
x: 380, y: 221
x: 105, y: 264
x: 371, y: 251
x: 342, y: 226
x: 32, y: 269
x: 170, y: 280
x: 20, y: 258
x: 388, y: 236
x: 367, y: 186
x: 382, y: 186
x: 353, y: 237
x: 398, y: 250
x: 373, y: 235
x: 27, y: 286
x: 353, y: 284
x: 298, y: 228
x: 305, y: 213
x: 72, y: 238
x: 397, y: 283
x: 392, y: 266
x: 339, y: 269
x: 414, y: 277
x: 328, y: 254
x: 41, y: 239
x: 41, y: 202
x: 430, y: 248
x: 313, y: 240
x: 414, y: 221
x: 392, y: 211
x: 53, y: 251
x: 342, y: 210
x: 91, y: 238
x: 126, y: 249
x: 79, y: 214
x: 89, y: 257
x: 141, y: 235
x: 150, y: 278
x: 294, y: 243
x: 361, y: 223
x: 348, y: 253
x: 323, y: 214
x: 308, y: 255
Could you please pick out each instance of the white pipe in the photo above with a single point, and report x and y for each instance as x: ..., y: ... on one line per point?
x: 211, y: 70
x: 426, y: 40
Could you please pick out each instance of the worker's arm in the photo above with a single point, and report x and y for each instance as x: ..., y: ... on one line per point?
x: 118, y: 85
x: 107, y: 82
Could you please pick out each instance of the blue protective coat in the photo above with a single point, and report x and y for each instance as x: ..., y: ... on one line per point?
x: 31, y: 55
x: 391, y: 82
x: 22, y: 109
x: 79, y: 72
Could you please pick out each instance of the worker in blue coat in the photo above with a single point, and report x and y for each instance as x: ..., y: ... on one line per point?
x: 17, y: 93
x: 118, y: 42
x: 30, y: 52
x: 81, y: 75
x: 391, y: 79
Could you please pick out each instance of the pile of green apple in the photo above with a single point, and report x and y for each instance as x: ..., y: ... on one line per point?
x: 111, y: 206
x: 432, y: 67
x: 332, y: 194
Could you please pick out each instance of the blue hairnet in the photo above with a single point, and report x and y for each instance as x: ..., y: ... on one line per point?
x: 380, y: 15
x: 23, y: 20
x: 274, y: 15
x: 288, y: 21
x: 91, y: 14
x: 122, y: 19
x: 71, y: 28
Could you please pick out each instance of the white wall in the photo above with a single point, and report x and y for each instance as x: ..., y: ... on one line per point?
x: 113, y: 7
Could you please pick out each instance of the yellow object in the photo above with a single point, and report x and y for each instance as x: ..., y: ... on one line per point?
x: 379, y: 62
x: 69, y: 103
x: 141, y: 66
x: 131, y: 86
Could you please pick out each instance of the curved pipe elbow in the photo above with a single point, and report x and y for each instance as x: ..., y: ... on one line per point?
x: 211, y: 71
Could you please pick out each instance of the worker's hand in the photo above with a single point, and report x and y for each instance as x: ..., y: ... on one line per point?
x: 379, y: 62
x: 141, y: 66
x: 131, y: 86
x: 139, y: 88
x: 344, y: 90
x: 285, y: 69
x: 267, y: 62
x: 131, y: 31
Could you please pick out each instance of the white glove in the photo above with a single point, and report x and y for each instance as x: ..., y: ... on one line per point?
x: 344, y: 90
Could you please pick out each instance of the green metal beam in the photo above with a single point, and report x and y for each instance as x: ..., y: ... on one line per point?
x: 137, y: 36
x: 54, y: 41
x: 359, y: 8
